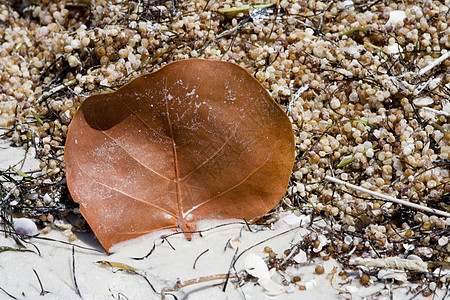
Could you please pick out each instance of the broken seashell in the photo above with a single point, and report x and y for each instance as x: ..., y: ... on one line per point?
x: 384, y: 274
x: 301, y: 257
x: 396, y: 16
x: 256, y: 267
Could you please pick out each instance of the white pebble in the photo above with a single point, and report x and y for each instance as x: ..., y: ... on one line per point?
x: 369, y: 153
x: 47, y: 199
x: 73, y: 61
x: 335, y: 103
x: 348, y: 240
x: 432, y: 286
x: 443, y: 241
x: 424, y: 101
x: 408, y: 149
x: 75, y: 44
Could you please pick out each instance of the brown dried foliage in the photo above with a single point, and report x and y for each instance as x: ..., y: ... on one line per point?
x: 195, y: 140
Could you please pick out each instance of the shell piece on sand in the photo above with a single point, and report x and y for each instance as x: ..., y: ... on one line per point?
x: 395, y: 17
x: 256, y: 267
x: 384, y: 274
x: 25, y: 227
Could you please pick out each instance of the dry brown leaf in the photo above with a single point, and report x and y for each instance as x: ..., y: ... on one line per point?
x: 194, y: 140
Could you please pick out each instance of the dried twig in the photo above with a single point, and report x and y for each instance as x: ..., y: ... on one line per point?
x: 438, y: 112
x: 4, y: 291
x: 43, y: 292
x: 388, y: 198
x: 129, y: 269
x: 195, y: 262
x: 73, y: 272
x: 182, y: 284
x: 434, y: 63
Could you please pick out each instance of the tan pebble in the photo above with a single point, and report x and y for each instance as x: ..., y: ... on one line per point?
x: 46, y: 229
x: 364, y: 279
x: 50, y: 218
x: 319, y: 270
x: 272, y: 255
x: 72, y: 237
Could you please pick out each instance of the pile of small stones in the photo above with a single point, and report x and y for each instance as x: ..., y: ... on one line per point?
x: 349, y: 73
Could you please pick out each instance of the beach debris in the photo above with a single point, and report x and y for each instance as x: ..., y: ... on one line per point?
x: 291, y: 220
x: 118, y: 266
x: 181, y: 284
x: 364, y: 279
x: 396, y: 263
x: 423, y: 101
x: 300, y: 257
x: 255, y: 266
x: 395, y: 16
x: 397, y: 275
x: 25, y: 227
x: 394, y: 49
x: 174, y: 147
x: 234, y: 243
x: 388, y: 198
x: 319, y: 270
x: 7, y: 248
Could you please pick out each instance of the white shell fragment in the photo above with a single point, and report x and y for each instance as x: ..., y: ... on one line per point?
x: 47, y: 199
x: 348, y: 240
x: 384, y: 274
x: 25, y: 227
x: 301, y: 257
x: 414, y: 257
x: 396, y: 16
x: 256, y: 267
x: 443, y: 241
x: 446, y: 108
x: 271, y: 287
x: 424, y: 101
x: 351, y: 289
x: 349, y: 5
x: 394, y: 49
x: 392, y: 263
x: 322, y: 242
x: 310, y: 284
x: 234, y: 243
x: 291, y: 220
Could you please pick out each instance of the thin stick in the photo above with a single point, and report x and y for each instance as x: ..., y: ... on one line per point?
x: 4, y: 291
x: 388, y: 198
x: 73, y: 272
x: 438, y: 112
x: 195, y: 262
x: 43, y: 292
x: 182, y: 284
x: 434, y: 63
